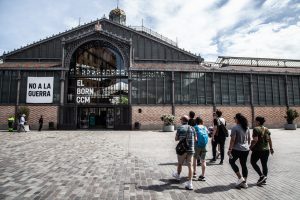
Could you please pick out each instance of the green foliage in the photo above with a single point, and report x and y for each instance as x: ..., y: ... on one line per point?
x: 291, y: 115
x: 124, y: 100
x: 168, y: 119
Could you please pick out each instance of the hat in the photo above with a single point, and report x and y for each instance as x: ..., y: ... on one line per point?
x: 185, y: 117
x: 23, y: 115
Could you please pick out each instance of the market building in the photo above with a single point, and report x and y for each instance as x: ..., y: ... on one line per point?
x: 105, y: 74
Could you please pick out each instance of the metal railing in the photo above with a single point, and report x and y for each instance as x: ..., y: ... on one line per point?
x: 154, y: 34
x: 224, y: 61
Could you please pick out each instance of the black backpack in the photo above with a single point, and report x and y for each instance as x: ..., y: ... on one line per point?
x: 181, y: 147
x: 222, y: 130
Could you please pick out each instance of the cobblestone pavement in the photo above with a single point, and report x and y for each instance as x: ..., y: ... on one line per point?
x: 130, y: 165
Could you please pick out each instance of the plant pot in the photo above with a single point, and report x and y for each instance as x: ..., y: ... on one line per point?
x: 169, y: 128
x: 290, y: 126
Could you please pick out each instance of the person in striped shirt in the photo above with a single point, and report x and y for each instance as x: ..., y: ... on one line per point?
x: 187, y: 132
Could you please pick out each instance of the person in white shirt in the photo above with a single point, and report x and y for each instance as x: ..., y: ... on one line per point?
x: 22, y: 123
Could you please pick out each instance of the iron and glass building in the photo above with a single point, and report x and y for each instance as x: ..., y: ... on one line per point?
x: 105, y: 74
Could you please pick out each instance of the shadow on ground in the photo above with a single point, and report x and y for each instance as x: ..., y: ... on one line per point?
x: 168, y: 184
x: 219, y: 188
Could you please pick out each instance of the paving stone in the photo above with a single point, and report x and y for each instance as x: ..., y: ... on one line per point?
x: 129, y: 165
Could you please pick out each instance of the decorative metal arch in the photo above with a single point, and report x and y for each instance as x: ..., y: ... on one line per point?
x: 121, y: 47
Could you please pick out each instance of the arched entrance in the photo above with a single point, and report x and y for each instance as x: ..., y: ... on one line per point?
x: 98, y: 86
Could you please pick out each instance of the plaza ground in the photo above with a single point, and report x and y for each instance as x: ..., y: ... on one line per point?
x: 130, y: 165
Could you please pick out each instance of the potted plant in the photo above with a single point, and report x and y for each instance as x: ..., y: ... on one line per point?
x: 291, y: 115
x: 168, y: 122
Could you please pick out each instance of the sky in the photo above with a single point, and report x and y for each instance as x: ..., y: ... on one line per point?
x: 211, y: 28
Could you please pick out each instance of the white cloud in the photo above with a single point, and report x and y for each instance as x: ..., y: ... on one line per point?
x: 237, y: 28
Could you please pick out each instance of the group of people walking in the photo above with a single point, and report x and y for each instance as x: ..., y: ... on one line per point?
x: 194, y: 135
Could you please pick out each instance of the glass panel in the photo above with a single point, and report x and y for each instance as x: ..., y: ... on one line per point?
x: 201, y: 88
x: 232, y: 89
x: 269, y: 91
x: 247, y: 95
x: 5, y: 87
x: 225, y: 89
x: 255, y: 89
x: 296, y: 90
x: 290, y: 90
x: 92, y: 59
x: 13, y: 87
x: 193, y: 91
x: 168, y: 88
x: 208, y: 83
x: 240, y: 89
x: 282, y: 90
x: 218, y: 93
x: 261, y: 89
x: 178, y: 88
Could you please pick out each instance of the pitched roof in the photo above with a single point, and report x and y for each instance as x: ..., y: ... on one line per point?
x: 30, y: 65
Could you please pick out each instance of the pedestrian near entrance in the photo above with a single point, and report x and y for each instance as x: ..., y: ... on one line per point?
x: 261, y: 141
x: 239, y: 148
x: 187, y: 133
x: 22, y: 123
x: 41, y: 121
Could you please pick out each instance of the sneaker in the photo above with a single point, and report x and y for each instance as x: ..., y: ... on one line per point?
x: 188, y: 185
x: 264, y: 182
x: 201, y: 178
x: 221, y: 162
x: 240, y: 181
x: 261, y: 180
x: 194, y: 175
x: 176, y: 176
x: 244, y: 185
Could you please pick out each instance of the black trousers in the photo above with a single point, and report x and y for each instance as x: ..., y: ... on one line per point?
x: 263, y: 157
x: 242, y: 156
x: 215, y: 143
x: 40, y: 127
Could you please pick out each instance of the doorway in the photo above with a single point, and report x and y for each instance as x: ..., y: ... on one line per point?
x: 96, y: 118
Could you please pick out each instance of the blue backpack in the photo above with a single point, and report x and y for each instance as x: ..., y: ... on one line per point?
x: 202, y: 136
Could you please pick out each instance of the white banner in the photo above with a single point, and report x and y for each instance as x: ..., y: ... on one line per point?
x: 39, y: 90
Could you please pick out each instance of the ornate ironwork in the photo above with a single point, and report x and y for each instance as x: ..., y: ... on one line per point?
x: 92, y: 38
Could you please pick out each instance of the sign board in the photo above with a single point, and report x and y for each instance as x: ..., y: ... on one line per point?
x: 39, y: 90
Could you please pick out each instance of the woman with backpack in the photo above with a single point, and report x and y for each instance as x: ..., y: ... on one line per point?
x: 200, y: 147
x: 239, y: 148
x: 260, y: 149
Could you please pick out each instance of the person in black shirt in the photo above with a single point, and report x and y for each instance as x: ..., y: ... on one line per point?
x: 218, y: 137
x: 192, y: 121
x: 41, y: 121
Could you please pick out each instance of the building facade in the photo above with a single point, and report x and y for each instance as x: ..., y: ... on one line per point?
x: 105, y: 74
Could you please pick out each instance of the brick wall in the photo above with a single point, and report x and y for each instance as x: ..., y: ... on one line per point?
x: 205, y: 112
x: 50, y: 114
x: 230, y: 111
x: 149, y: 118
x: 274, y: 115
x: 5, y: 111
